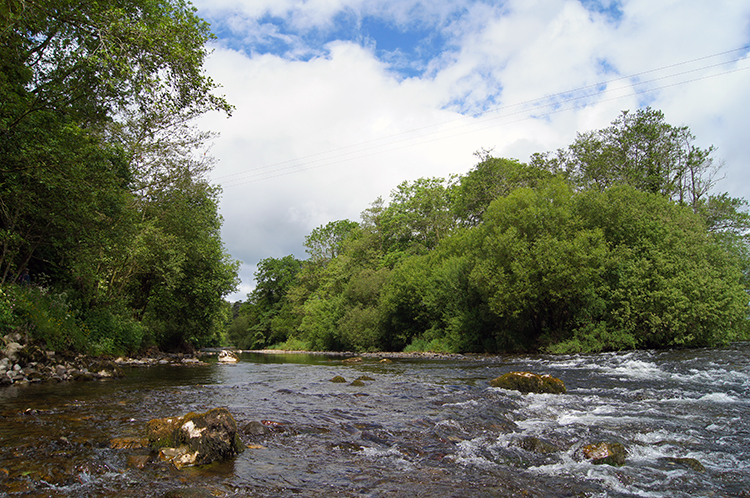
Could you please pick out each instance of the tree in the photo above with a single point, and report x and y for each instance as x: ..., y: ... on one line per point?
x: 325, y: 242
x: 96, y: 105
x: 642, y: 150
x: 491, y: 178
x: 184, y: 305
x: 267, y: 314
x: 418, y: 216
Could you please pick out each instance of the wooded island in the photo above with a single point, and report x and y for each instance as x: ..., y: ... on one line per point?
x: 110, y: 233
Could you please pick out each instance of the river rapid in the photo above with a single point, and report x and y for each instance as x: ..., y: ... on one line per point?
x: 416, y: 427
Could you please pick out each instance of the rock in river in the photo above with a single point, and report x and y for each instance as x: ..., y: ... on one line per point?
x: 227, y: 356
x: 195, y: 439
x: 604, y: 453
x: 528, y: 382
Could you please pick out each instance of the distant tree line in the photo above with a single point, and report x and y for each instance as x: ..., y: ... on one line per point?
x: 616, y: 242
x: 103, y: 193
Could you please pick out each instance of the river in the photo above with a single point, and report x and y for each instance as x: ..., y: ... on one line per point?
x: 427, y: 428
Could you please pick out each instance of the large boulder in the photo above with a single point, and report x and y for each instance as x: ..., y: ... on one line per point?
x: 227, y: 356
x: 195, y: 439
x: 528, y: 382
x: 604, y: 453
x: 11, y: 351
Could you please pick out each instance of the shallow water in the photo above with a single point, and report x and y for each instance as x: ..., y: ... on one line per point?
x: 417, y: 428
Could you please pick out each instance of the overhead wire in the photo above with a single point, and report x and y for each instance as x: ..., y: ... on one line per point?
x: 420, y: 136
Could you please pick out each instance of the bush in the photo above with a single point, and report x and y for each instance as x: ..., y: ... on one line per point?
x: 46, y: 317
x: 292, y: 344
x: 9, y: 320
x: 111, y: 333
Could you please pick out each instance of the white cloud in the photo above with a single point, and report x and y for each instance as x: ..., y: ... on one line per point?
x: 334, y: 131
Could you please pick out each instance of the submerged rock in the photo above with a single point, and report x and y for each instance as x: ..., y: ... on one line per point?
x: 690, y: 463
x: 195, y: 439
x: 338, y: 379
x: 536, y: 445
x: 527, y: 382
x: 127, y: 443
x: 604, y: 453
x: 256, y: 429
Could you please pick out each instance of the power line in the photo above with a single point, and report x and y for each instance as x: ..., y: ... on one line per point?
x: 356, y: 151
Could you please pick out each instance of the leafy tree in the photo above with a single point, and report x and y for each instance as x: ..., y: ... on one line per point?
x: 491, y: 178
x: 642, y: 150
x: 418, y: 216
x: 266, y: 315
x: 187, y: 308
x: 325, y: 242
x: 615, y: 243
x: 100, y: 161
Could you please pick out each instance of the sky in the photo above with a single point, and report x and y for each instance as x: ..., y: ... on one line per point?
x: 339, y: 101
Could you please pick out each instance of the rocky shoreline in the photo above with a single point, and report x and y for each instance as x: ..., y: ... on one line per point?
x: 23, y: 363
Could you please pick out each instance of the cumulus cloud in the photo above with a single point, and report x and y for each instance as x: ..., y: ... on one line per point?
x: 327, y: 119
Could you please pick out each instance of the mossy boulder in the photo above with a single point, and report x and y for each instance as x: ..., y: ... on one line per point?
x: 536, y: 445
x: 604, y: 453
x: 527, y: 382
x: 196, y: 438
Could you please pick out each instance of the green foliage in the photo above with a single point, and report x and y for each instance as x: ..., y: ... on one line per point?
x: 112, y: 334
x: 418, y: 217
x: 101, y: 183
x: 266, y: 318
x: 291, y: 344
x: 612, y: 244
x: 9, y: 319
x: 325, y: 242
x: 491, y: 178
x: 46, y: 317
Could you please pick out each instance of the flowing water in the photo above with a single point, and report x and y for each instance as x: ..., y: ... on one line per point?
x: 428, y: 428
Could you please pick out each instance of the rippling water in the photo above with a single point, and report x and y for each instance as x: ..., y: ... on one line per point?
x: 415, y: 428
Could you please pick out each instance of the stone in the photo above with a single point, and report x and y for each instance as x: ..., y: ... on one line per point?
x: 195, y: 439
x: 11, y: 351
x: 256, y: 429
x: 127, y: 443
x: 106, y: 370
x: 226, y: 356
x: 536, y: 445
x: 690, y: 463
x: 31, y: 354
x: 338, y: 379
x: 604, y: 453
x: 138, y: 461
x: 527, y: 382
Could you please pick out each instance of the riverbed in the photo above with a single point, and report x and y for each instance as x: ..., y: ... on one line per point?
x: 410, y: 427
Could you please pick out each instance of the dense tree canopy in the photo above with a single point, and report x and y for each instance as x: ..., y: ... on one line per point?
x: 102, y: 194
x: 617, y: 242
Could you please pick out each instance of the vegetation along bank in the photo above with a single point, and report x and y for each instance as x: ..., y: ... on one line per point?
x: 618, y: 241
x: 110, y: 233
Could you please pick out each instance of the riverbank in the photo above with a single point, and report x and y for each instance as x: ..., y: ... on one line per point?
x: 376, y: 355
x: 24, y: 363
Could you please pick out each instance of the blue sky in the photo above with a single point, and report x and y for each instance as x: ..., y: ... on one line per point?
x: 338, y: 101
